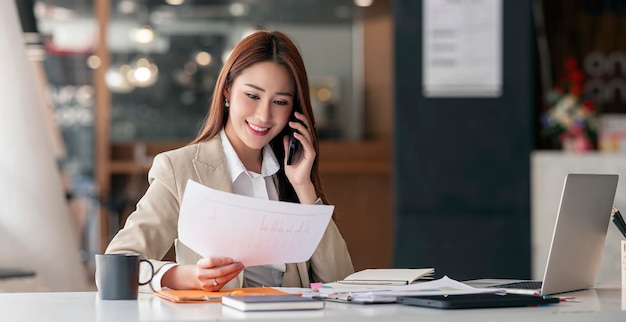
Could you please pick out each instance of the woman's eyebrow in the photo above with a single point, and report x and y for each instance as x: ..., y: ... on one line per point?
x: 263, y: 90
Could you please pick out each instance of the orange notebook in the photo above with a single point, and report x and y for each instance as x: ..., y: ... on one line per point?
x: 199, y: 296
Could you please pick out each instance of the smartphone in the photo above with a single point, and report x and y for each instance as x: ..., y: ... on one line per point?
x: 293, y: 147
x: 294, y: 144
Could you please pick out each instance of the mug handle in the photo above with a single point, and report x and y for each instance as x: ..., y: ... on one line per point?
x: 151, y: 268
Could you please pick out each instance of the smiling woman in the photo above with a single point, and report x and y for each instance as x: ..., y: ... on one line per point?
x: 243, y: 142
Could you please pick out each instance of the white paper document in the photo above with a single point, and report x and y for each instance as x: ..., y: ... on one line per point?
x: 249, y: 230
x: 442, y: 286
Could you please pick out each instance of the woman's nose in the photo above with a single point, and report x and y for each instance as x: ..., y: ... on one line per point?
x: 264, y: 111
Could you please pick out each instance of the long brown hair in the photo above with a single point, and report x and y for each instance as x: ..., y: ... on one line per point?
x: 277, y: 47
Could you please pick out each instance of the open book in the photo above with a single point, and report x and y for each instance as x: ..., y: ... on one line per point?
x: 380, y: 277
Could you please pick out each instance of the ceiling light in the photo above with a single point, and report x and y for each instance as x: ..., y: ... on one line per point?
x: 126, y: 6
x: 363, y: 3
x: 174, y: 2
x: 144, y: 73
x: 85, y: 95
x: 203, y: 58
x: 116, y: 80
x: 238, y: 9
x: 324, y: 94
x: 94, y: 62
x: 144, y: 35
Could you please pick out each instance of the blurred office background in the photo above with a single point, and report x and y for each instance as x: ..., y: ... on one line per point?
x: 447, y: 126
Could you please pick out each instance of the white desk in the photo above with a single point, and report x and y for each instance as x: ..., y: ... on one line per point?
x: 597, y: 305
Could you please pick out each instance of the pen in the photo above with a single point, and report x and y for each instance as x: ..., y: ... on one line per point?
x: 617, y: 219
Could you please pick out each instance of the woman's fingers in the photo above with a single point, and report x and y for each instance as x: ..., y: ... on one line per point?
x: 220, y: 281
x: 303, y: 127
x: 213, y: 272
x: 210, y: 262
x: 220, y: 271
x: 303, y: 133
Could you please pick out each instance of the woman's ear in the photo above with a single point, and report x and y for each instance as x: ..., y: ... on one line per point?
x: 226, y: 92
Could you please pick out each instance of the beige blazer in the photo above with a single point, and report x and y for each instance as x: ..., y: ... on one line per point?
x: 153, y: 227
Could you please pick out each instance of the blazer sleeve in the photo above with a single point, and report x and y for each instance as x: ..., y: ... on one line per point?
x: 152, y: 228
x: 331, y: 261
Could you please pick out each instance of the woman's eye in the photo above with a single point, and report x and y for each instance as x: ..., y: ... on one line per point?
x: 281, y: 102
x: 252, y: 96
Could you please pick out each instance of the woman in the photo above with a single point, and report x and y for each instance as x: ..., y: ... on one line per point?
x: 240, y: 149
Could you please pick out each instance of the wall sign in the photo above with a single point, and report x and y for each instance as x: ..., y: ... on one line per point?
x: 462, y: 48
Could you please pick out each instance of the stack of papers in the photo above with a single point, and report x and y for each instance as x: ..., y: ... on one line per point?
x: 388, y: 294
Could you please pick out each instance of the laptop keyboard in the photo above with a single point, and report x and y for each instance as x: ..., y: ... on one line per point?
x: 522, y: 285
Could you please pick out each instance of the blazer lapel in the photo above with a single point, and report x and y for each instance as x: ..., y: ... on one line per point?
x: 210, y: 165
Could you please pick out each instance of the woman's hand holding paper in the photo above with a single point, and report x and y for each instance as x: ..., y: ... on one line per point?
x: 209, y: 274
x: 212, y: 273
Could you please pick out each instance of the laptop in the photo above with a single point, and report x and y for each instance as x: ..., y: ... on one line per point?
x: 577, y: 242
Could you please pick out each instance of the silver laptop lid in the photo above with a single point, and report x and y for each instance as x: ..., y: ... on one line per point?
x: 579, y: 233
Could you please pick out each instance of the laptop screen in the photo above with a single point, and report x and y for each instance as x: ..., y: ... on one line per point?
x: 579, y: 232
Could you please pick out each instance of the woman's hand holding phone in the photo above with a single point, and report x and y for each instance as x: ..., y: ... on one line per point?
x: 298, y: 171
x: 299, y: 142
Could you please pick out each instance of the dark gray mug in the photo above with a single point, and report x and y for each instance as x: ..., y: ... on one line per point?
x: 117, y: 276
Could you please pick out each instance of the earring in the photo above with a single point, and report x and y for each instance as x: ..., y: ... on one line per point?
x: 226, y: 103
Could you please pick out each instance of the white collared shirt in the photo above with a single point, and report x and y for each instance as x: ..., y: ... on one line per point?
x: 248, y: 183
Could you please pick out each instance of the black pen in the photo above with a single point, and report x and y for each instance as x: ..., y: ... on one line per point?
x: 617, y: 219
